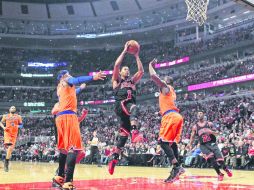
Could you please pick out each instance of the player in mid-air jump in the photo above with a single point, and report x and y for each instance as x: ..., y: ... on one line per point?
x: 171, y: 122
x: 124, y: 88
x: 208, y: 146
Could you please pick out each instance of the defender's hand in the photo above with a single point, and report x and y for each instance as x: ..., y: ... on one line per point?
x: 99, y: 76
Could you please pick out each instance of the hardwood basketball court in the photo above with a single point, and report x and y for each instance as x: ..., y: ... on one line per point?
x: 27, y: 175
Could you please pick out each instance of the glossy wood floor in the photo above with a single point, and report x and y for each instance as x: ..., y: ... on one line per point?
x: 26, y: 175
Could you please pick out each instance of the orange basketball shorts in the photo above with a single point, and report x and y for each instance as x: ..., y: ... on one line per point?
x: 171, y: 127
x: 68, y: 132
x: 10, y: 137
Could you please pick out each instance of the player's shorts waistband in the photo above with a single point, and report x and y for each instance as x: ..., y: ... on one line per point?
x: 169, y: 111
x: 66, y: 112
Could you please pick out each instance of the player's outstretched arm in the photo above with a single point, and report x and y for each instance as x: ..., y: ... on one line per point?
x: 161, y: 84
x: 83, y: 79
x: 137, y: 77
x: 118, y: 63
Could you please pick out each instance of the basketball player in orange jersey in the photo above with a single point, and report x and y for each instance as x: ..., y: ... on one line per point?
x: 69, y: 140
x: 13, y: 123
x: 171, y: 122
x: 83, y: 115
x: 124, y: 88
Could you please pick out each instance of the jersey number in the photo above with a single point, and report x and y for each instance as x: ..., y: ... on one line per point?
x: 206, y: 138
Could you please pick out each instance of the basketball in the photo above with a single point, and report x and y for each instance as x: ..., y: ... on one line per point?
x: 133, y: 47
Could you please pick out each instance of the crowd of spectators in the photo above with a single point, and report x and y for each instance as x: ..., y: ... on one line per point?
x: 232, y: 117
x: 146, y: 86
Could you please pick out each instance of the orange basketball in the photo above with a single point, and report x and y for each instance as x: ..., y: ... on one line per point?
x: 133, y: 47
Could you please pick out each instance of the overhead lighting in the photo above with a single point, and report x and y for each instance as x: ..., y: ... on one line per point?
x: 233, y: 16
x: 225, y: 19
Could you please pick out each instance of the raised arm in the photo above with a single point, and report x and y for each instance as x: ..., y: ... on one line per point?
x: 118, y: 63
x: 82, y: 79
x: 137, y: 77
x: 161, y: 84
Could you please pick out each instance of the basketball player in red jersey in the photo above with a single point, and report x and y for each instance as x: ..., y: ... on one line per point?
x: 171, y: 122
x: 13, y: 123
x: 69, y: 140
x: 124, y: 88
x: 208, y: 146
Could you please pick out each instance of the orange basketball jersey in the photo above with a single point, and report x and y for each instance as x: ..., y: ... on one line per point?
x: 167, y: 102
x: 12, y: 122
x: 67, y: 97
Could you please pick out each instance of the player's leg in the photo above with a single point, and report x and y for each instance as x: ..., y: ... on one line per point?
x: 220, y: 159
x: 73, y: 143
x: 98, y: 157
x: 168, y: 133
x: 9, y: 143
x: 123, y: 137
x: 70, y: 162
x: 58, y: 180
x: 130, y: 109
x: 210, y: 157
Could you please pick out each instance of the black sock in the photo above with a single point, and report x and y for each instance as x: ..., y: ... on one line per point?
x: 71, y: 162
x: 175, y: 150
x: 169, y: 152
x: 7, y: 161
x: 62, y: 161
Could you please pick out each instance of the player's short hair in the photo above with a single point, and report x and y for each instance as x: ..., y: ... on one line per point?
x: 202, y: 111
x: 123, y: 67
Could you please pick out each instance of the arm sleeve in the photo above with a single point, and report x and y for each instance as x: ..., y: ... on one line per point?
x: 79, y: 80
x: 20, y: 122
x: 78, y: 90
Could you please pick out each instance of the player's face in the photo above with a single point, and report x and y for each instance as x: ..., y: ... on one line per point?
x: 168, y: 80
x: 12, y: 109
x: 67, y: 75
x: 200, y: 115
x: 125, y: 72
